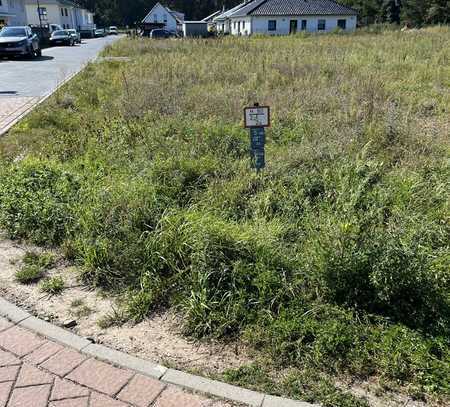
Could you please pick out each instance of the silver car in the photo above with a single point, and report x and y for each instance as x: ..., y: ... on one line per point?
x: 75, y: 34
x: 19, y: 41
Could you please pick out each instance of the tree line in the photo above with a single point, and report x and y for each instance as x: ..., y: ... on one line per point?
x: 414, y: 12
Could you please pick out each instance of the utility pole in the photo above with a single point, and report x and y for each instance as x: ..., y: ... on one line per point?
x: 39, y: 14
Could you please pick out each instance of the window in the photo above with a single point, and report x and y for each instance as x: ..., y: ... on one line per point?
x: 342, y: 24
x: 321, y: 24
x: 65, y: 12
x: 272, y: 25
x: 155, y: 18
x: 243, y: 25
x: 165, y: 18
x: 304, y: 24
x: 239, y: 27
x: 62, y: 12
x: 42, y: 11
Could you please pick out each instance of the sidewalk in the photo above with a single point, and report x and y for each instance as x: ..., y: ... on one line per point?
x: 36, y: 372
x: 13, y: 108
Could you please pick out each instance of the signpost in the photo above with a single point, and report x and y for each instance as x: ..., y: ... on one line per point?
x: 257, y: 118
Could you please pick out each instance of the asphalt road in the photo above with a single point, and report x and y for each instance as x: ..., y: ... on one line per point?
x: 39, y: 77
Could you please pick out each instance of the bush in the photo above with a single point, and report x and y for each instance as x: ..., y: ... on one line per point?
x: 35, y: 198
x: 330, y: 260
x: 52, y: 285
x: 29, y: 273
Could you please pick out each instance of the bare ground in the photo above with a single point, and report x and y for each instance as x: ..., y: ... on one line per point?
x: 158, y: 338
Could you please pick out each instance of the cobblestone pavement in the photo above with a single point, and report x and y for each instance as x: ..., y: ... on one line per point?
x: 35, y: 372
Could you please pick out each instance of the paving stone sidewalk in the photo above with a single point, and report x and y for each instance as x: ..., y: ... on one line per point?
x: 36, y: 372
x: 13, y: 107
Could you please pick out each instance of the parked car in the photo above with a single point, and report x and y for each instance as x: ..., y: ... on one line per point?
x: 62, y: 37
x: 75, y: 34
x: 99, y: 32
x: 19, y: 41
x: 160, y: 33
x: 113, y: 30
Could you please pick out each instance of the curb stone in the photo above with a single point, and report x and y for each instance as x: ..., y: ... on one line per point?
x: 12, y: 312
x: 55, y: 332
x: 170, y: 376
x: 273, y: 401
x: 213, y: 387
x: 124, y: 360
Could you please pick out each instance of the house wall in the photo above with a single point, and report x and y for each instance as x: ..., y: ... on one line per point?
x: 259, y: 25
x: 53, y: 14
x: 158, y: 15
x: 75, y: 17
x: 241, y: 26
x: 84, y: 19
x: 15, y: 7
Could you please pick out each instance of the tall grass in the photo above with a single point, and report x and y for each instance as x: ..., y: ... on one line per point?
x: 335, y: 258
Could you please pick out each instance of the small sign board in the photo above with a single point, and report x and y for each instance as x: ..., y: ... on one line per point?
x: 257, y: 116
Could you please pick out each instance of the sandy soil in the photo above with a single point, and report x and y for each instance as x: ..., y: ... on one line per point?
x: 157, y: 338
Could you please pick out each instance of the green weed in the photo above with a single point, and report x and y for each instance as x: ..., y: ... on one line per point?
x: 29, y: 273
x: 52, y: 285
x: 333, y: 260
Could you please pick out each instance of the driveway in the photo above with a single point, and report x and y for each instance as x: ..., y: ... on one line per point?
x: 24, y: 82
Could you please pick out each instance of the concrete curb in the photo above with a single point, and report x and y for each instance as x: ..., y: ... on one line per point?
x: 170, y: 376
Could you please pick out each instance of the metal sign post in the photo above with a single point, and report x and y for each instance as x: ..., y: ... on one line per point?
x: 257, y: 118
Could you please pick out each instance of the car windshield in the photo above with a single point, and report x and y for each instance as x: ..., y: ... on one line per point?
x: 60, y: 33
x: 13, y: 32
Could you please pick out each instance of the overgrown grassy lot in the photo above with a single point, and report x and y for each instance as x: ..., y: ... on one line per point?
x: 332, y: 263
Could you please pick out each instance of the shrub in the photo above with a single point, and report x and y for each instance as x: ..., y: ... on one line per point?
x: 52, y: 285
x: 35, y: 197
x: 330, y: 260
x: 29, y: 273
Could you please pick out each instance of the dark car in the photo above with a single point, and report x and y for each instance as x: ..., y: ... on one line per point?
x: 160, y: 33
x: 17, y: 41
x: 62, y: 37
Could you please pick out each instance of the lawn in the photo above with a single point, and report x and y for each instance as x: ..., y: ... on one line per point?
x: 332, y: 264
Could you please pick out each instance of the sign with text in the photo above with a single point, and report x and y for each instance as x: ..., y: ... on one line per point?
x: 257, y: 116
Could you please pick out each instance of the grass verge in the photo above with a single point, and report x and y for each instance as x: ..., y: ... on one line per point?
x: 334, y: 260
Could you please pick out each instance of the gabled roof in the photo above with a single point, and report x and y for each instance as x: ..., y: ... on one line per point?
x: 70, y: 3
x: 293, y: 8
x: 175, y: 14
x: 226, y: 14
x: 210, y: 17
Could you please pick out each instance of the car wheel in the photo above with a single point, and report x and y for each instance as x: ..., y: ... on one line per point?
x: 31, y: 53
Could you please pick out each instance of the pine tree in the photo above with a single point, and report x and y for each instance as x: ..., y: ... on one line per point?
x: 391, y: 11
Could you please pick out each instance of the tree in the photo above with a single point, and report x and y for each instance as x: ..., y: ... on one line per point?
x: 417, y: 12
x: 391, y: 11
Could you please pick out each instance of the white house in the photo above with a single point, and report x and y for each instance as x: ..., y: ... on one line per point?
x: 164, y: 17
x: 12, y: 12
x: 65, y: 13
x: 282, y: 17
x: 223, y: 22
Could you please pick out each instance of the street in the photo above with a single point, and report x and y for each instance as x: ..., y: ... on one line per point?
x: 24, y: 82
